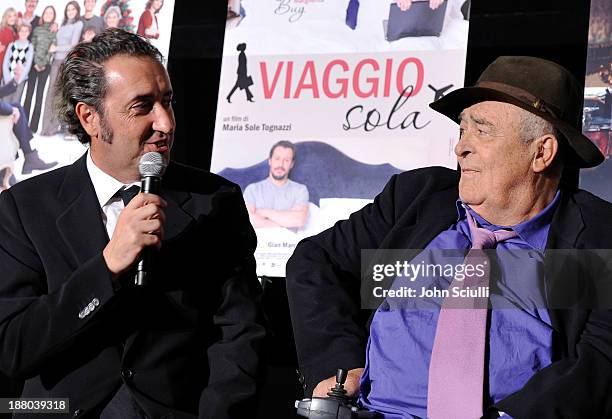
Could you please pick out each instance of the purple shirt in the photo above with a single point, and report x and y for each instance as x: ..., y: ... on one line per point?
x: 394, y: 382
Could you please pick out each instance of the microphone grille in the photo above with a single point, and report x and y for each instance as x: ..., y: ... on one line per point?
x: 152, y: 164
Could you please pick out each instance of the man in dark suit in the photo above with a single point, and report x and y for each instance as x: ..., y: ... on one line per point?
x: 73, y: 323
x: 520, y: 131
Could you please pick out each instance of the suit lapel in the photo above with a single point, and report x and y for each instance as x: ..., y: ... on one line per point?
x: 412, y: 233
x: 433, y: 216
x: 80, y: 223
x: 415, y: 228
x: 177, y: 220
x: 566, y: 225
x: 565, y: 228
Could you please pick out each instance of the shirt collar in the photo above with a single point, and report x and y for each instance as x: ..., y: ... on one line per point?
x: 104, y: 184
x: 533, y: 231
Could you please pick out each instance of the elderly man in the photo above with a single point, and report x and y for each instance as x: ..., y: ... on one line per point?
x: 519, y: 130
x: 74, y: 324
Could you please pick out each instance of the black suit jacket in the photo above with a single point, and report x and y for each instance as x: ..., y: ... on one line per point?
x: 187, y: 345
x: 331, y: 330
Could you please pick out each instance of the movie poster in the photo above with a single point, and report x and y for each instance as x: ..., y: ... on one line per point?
x: 597, y: 115
x: 322, y: 101
x: 39, y: 49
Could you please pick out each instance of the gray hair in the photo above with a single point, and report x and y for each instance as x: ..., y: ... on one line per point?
x: 532, y: 126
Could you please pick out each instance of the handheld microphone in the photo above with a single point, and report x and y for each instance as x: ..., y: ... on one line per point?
x: 151, y: 167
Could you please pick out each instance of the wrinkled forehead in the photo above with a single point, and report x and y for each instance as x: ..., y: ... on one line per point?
x: 491, y: 113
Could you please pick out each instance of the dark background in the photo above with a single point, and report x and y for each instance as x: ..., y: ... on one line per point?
x: 552, y: 29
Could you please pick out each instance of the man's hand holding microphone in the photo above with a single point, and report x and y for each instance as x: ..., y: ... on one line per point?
x: 140, y: 226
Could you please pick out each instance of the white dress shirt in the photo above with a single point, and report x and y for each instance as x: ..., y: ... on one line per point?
x: 106, y: 187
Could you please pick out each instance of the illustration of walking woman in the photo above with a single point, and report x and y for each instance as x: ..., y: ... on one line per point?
x: 243, y: 81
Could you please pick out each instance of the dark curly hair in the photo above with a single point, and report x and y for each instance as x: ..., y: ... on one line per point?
x: 82, y: 78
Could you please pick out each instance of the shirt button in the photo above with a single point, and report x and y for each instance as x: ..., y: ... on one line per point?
x: 127, y: 373
x: 77, y: 413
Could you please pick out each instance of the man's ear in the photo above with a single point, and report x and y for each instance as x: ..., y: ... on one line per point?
x: 89, y: 118
x: 546, y: 149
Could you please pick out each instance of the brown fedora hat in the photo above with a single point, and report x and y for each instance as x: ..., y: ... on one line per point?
x: 539, y: 86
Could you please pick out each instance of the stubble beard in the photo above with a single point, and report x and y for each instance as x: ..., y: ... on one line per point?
x: 107, y: 132
x: 280, y: 177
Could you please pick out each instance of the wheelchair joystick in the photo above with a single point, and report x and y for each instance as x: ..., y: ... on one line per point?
x: 338, y: 392
x: 337, y: 405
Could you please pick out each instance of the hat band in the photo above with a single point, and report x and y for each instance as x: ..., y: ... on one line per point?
x: 523, y: 95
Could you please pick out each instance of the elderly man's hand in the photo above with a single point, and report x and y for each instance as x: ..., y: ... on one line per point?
x: 404, y: 4
x: 351, y: 385
x: 15, y: 115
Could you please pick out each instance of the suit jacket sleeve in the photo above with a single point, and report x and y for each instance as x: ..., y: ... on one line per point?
x: 234, y: 358
x: 323, y: 288
x: 37, y: 324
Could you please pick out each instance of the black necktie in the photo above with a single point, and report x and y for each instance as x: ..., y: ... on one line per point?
x: 129, y: 193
